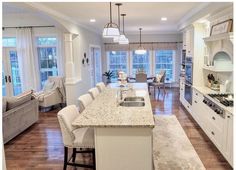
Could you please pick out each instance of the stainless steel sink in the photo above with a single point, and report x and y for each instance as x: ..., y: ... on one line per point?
x: 132, y: 104
x: 134, y: 99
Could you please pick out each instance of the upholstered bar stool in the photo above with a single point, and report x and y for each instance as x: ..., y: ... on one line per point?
x: 94, y: 92
x: 75, y: 138
x: 101, y: 86
x: 84, y: 101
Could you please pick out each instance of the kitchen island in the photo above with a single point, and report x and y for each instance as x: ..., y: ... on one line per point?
x: 123, y: 135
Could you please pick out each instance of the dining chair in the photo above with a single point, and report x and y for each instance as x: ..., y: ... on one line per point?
x: 159, y: 82
x: 94, y: 92
x: 84, y: 101
x: 75, y: 138
x: 141, y: 77
x: 101, y: 86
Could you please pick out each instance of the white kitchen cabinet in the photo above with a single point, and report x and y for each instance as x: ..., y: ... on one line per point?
x: 184, y: 40
x: 181, y: 89
x: 217, y: 128
x: 189, y: 41
x: 228, y: 138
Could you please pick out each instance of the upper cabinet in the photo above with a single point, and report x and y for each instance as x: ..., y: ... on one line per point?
x: 188, y: 36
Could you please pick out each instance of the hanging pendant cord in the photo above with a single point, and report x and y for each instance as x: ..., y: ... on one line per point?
x: 119, y: 15
x: 140, y: 37
x: 123, y: 24
x: 110, y: 13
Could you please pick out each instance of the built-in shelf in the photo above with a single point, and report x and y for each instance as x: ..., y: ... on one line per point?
x: 223, y: 36
x: 213, y: 69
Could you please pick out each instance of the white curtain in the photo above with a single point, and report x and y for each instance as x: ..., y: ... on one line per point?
x: 28, y: 63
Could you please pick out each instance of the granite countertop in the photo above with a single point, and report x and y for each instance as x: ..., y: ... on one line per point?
x: 206, y: 90
x: 104, y: 111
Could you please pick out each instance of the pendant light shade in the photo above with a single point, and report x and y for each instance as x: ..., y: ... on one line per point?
x: 111, y: 29
x: 123, y: 39
x: 141, y: 50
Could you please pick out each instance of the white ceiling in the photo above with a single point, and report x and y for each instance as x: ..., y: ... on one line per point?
x: 139, y: 14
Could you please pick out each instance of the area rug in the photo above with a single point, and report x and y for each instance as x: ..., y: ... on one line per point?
x: 172, y: 149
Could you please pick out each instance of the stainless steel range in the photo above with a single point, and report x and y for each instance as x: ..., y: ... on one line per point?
x: 217, y: 102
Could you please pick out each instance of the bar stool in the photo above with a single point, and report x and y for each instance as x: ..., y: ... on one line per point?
x: 75, y: 138
x: 101, y: 86
x: 84, y: 101
x: 94, y: 92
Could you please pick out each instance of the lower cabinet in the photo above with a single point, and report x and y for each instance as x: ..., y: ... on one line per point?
x: 217, y: 128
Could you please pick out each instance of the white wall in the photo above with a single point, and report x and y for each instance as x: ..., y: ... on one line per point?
x: 82, y: 72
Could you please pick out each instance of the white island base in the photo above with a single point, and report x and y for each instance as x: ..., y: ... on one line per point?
x: 127, y: 148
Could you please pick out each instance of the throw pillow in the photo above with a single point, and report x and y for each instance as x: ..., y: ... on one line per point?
x: 15, y: 101
x: 48, y: 86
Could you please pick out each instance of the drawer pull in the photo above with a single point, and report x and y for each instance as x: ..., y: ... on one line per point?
x: 181, y: 89
x: 212, y: 133
x: 188, y: 106
x: 213, y: 118
x: 196, y: 94
x: 228, y: 116
x: 195, y: 101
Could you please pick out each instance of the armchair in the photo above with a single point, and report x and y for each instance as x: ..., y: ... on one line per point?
x: 53, y: 92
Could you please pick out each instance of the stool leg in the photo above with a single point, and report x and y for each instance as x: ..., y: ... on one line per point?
x: 65, y: 157
x: 94, y: 159
x: 74, y: 155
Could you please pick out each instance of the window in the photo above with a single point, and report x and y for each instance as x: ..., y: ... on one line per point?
x: 164, y: 61
x: 140, y: 62
x: 117, y: 61
x: 9, y: 42
x: 47, y: 54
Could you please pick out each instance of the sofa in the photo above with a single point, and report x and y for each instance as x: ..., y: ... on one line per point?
x: 18, y: 113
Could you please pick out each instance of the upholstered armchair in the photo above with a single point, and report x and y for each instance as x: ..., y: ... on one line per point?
x: 53, y: 92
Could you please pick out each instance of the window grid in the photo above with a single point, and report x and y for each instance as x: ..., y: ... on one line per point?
x: 47, y: 54
x: 117, y: 61
x: 164, y: 61
x: 140, y: 62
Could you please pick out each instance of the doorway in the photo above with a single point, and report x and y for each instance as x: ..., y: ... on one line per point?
x: 96, y: 69
x: 11, y: 83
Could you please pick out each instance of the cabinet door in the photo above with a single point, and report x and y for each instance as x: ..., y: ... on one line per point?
x: 184, y: 40
x: 228, y: 148
x: 189, y: 42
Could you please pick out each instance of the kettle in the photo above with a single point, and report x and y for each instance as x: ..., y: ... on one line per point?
x: 224, y: 87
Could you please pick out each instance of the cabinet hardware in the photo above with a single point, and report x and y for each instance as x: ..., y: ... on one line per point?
x: 6, y: 79
x: 196, y: 94
x: 228, y: 116
x: 188, y: 106
x: 195, y: 101
x: 9, y: 79
x: 212, y: 133
x: 213, y: 118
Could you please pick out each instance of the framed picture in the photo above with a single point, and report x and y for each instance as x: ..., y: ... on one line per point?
x: 222, y: 27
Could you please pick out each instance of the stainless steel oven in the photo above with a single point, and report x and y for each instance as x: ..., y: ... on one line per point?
x: 188, y: 80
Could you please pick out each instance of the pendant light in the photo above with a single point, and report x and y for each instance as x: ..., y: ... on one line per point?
x: 123, y: 39
x: 111, y: 29
x: 116, y: 39
x: 140, y: 49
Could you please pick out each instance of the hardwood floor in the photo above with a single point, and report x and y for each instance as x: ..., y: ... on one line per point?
x: 41, y: 147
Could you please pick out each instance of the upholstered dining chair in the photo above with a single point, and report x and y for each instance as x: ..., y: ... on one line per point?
x: 84, y: 101
x: 75, y: 138
x: 159, y: 82
x: 94, y: 92
x: 141, y: 77
x: 101, y: 86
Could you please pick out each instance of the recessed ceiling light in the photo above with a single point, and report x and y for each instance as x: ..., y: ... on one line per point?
x: 163, y: 18
x: 92, y: 20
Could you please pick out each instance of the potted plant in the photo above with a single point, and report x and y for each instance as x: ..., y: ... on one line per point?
x: 109, y: 74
